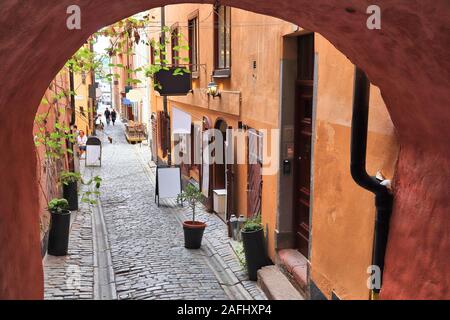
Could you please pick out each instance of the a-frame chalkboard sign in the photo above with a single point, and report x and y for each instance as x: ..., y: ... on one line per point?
x: 168, y: 182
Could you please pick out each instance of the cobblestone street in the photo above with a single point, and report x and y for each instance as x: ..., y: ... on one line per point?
x: 144, y: 243
x: 72, y: 276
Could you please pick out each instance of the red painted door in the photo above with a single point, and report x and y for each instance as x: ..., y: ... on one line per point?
x: 303, y: 133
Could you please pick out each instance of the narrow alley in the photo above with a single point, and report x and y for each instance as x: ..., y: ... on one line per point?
x: 146, y: 248
x: 222, y: 150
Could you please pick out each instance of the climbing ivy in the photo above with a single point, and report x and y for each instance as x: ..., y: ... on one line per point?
x: 93, y: 185
x: 122, y: 34
x: 53, y: 137
x: 54, y: 141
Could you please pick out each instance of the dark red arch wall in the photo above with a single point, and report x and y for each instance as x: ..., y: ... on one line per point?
x: 408, y: 59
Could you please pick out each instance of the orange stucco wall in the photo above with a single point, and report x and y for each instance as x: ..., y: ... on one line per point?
x: 250, y: 96
x: 343, y: 213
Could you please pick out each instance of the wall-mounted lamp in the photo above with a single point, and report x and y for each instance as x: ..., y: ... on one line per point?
x: 213, y: 89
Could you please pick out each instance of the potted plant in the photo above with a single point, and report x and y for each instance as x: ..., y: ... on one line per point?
x: 58, y: 240
x: 193, y: 230
x: 252, y: 234
x: 69, y: 181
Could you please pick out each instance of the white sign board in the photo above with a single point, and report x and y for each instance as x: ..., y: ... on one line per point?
x: 168, y: 182
x: 181, y: 122
x: 93, y: 155
x: 135, y: 95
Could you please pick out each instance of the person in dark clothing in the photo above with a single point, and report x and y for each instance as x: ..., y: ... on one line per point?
x: 107, y: 116
x: 113, y: 116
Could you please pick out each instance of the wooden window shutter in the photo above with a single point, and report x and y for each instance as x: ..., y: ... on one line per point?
x: 163, y: 132
x: 154, y: 138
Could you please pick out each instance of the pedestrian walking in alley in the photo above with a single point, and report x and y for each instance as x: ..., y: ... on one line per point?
x: 81, y: 141
x: 107, y: 116
x: 113, y: 116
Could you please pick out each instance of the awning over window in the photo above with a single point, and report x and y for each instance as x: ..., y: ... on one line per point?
x: 181, y: 122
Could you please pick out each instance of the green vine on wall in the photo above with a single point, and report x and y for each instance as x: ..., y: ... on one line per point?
x: 122, y: 34
x: 54, y: 141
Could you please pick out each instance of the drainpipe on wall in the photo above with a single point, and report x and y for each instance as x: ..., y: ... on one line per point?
x: 383, y: 198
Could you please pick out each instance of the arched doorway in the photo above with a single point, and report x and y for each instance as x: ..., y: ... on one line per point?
x: 207, y: 169
x: 219, y: 166
x: 414, y: 81
x: 219, y: 187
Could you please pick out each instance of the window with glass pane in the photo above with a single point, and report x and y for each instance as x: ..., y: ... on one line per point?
x: 223, y: 37
x: 193, y: 43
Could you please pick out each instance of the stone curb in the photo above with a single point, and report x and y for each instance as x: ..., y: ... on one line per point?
x: 104, y: 278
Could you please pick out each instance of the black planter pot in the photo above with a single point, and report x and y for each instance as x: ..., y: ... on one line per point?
x: 58, y: 240
x: 193, y: 234
x: 70, y: 193
x: 255, y: 252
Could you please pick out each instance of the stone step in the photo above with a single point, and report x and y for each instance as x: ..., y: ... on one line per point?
x: 275, y: 284
x: 295, y: 266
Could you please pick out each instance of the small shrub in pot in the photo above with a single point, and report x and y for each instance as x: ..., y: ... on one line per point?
x: 193, y: 230
x: 70, y: 181
x: 58, y: 241
x: 252, y: 235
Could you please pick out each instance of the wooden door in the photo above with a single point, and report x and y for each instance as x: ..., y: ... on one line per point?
x: 154, y: 137
x: 130, y: 114
x: 254, y: 173
x: 229, y: 178
x: 303, y: 134
x: 206, y: 177
x: 164, y: 133
x: 219, y: 166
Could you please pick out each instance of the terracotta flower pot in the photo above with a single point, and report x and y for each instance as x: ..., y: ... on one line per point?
x: 193, y: 234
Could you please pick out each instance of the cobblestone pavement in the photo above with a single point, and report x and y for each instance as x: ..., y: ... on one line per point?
x: 71, y: 276
x: 215, y: 237
x: 146, y: 243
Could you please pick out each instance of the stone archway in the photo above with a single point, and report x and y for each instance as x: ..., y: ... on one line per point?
x: 407, y: 59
